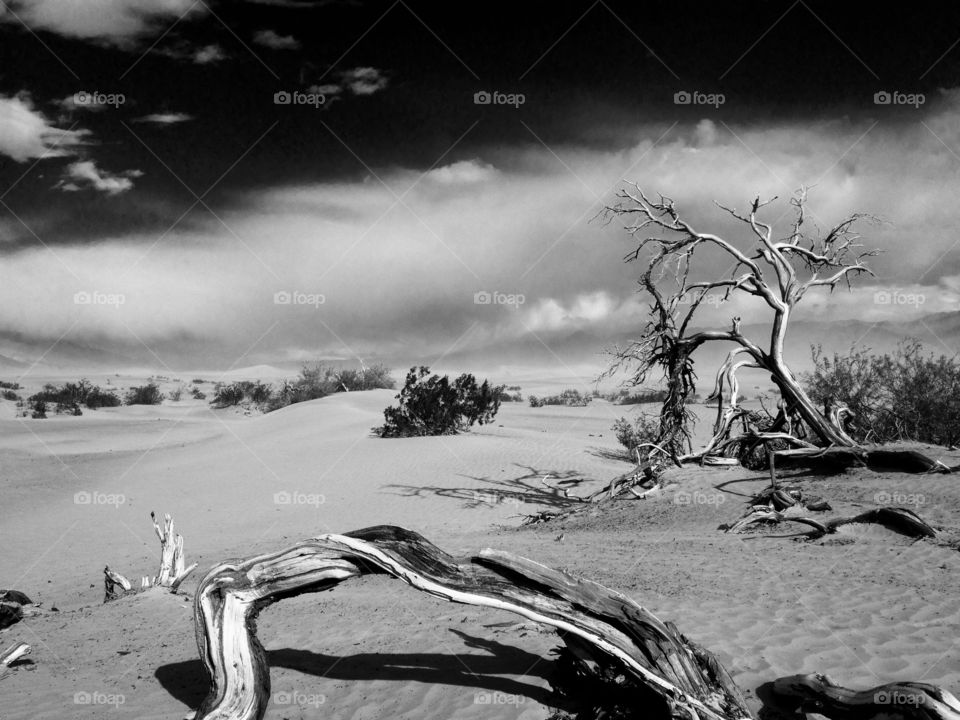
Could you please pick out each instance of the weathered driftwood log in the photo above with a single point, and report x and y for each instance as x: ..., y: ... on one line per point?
x: 11, y: 655
x: 907, y: 700
x: 898, y: 519
x: 839, y: 458
x: 685, y: 679
x: 172, y: 571
x: 114, y: 584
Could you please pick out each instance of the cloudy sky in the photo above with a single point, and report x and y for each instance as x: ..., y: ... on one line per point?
x: 268, y: 181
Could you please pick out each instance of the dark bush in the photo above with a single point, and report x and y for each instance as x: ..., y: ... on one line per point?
x: 432, y: 405
x: 571, y: 398
x: 10, y: 395
x: 645, y: 429
x: 69, y: 396
x: 144, y: 395
x: 9, y: 385
x: 39, y: 410
x: 904, y: 395
x: 198, y: 394
x: 227, y: 394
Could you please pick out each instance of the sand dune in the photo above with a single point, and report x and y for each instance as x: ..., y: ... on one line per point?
x: 863, y: 606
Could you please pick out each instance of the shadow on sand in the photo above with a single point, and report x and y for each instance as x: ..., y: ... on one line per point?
x: 187, y: 680
x: 527, y: 487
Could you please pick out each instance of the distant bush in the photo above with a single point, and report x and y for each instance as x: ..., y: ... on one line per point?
x: 39, y: 410
x: 10, y: 395
x: 636, y: 397
x: 69, y: 396
x: 571, y: 398
x: 903, y: 395
x: 507, y: 396
x: 198, y: 394
x: 645, y: 429
x: 433, y: 405
x: 176, y: 394
x: 227, y: 394
x: 9, y: 385
x: 198, y: 381
x: 144, y: 395
x: 319, y: 380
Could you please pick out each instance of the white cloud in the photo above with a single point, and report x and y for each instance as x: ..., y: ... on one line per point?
x: 463, y: 171
x: 364, y: 80
x: 26, y: 134
x: 271, y: 39
x: 170, y: 118
x: 85, y: 174
x: 115, y: 22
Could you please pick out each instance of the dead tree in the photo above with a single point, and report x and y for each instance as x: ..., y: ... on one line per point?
x: 11, y: 655
x: 666, y: 674
x: 777, y: 272
x: 679, y: 678
x: 172, y: 570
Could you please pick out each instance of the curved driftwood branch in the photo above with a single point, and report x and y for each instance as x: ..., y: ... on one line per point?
x: 898, y: 519
x: 687, y: 679
x: 11, y: 655
x: 817, y: 693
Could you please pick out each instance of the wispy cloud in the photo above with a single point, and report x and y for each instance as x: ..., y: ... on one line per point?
x: 170, y: 118
x: 85, y: 174
x: 26, y: 134
x: 364, y: 80
x: 275, y: 41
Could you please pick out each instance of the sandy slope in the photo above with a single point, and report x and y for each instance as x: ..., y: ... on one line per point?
x: 865, y: 607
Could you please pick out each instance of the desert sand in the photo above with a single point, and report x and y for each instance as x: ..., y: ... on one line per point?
x: 864, y: 606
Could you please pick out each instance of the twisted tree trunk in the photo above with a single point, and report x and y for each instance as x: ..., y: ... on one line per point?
x: 686, y: 680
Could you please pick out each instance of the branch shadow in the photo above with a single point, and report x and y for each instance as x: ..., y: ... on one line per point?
x: 187, y: 680
x: 525, y: 488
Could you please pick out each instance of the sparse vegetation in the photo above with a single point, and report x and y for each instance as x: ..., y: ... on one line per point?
x: 70, y: 396
x: 10, y: 395
x: 644, y: 429
x: 144, y: 395
x: 198, y: 394
x: 569, y: 397
x: 905, y: 395
x: 319, y: 380
x: 176, y: 393
x: 433, y: 405
x: 9, y: 385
